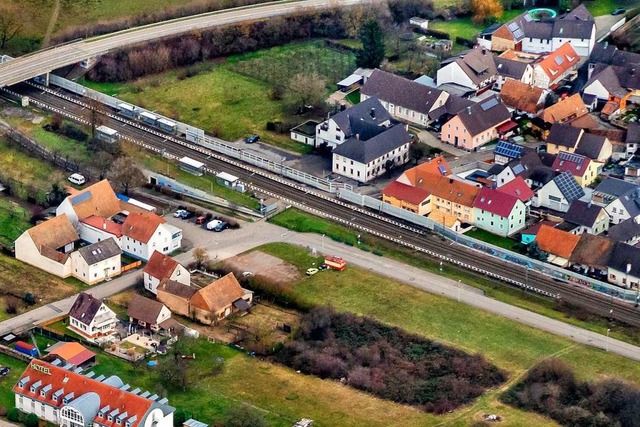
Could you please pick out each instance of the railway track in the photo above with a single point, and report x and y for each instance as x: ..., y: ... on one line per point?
x: 354, y: 216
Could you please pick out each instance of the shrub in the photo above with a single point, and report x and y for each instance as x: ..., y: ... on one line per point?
x: 3, y: 411
x: 13, y: 415
x: 378, y: 252
x: 387, y: 362
x: 31, y: 420
x: 29, y: 298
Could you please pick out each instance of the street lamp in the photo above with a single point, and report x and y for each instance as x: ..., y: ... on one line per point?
x: 458, y: 290
x: 606, y: 344
x: 440, y: 266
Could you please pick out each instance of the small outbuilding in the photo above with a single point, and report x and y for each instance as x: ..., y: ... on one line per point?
x: 106, y: 134
x: 305, y: 132
x: 192, y: 166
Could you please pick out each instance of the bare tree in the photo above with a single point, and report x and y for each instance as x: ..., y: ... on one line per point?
x: 96, y: 111
x: 10, y: 25
x: 126, y: 174
x: 201, y: 256
x: 305, y: 90
x: 101, y: 162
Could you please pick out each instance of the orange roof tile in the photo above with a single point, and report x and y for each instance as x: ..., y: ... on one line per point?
x: 52, y: 234
x: 556, y: 242
x: 104, y: 224
x: 559, y: 61
x: 437, y: 166
x: 70, y: 382
x: 98, y: 199
x: 522, y: 96
x: 218, y: 295
x: 454, y: 191
x: 160, y: 266
x: 565, y: 109
x: 443, y: 218
x: 141, y: 226
x: 72, y: 352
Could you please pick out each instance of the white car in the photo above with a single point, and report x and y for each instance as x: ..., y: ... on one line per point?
x: 179, y: 213
x: 213, y: 224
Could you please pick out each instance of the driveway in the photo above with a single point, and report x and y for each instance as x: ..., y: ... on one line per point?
x: 430, y: 139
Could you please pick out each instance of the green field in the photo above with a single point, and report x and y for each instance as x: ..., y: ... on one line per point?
x: 605, y: 7
x: 494, y: 239
x: 302, y: 222
x: 27, y: 170
x: 464, y: 27
x: 233, y: 99
x: 14, y: 219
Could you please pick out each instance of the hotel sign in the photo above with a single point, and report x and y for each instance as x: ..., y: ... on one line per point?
x: 44, y: 369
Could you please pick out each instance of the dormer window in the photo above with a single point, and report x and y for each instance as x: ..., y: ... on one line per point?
x: 35, y: 386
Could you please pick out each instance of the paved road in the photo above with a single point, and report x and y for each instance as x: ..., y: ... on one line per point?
x: 41, y: 62
x: 232, y: 242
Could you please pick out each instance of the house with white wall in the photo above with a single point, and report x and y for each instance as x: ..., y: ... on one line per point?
x: 559, y: 193
x: 555, y: 67
x: 60, y: 396
x: 498, y: 212
x: 406, y: 100
x: 586, y: 217
x: 338, y: 128
x: 511, y: 69
x: 92, y: 319
x: 475, y: 69
x: 145, y: 233
x: 48, y: 246
x: 161, y: 267
x: 624, y: 266
x: 97, y: 262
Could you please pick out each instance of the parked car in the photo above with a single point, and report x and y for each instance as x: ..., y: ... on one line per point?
x: 619, y: 11
x: 200, y: 220
x: 221, y: 226
x: 77, y: 179
x: 251, y: 139
x: 312, y: 271
x: 179, y: 213
x: 186, y: 215
x: 211, y: 225
x: 4, y: 371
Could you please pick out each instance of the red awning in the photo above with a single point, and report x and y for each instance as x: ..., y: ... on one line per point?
x: 507, y: 126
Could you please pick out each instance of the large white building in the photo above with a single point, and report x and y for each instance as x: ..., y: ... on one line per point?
x: 66, y: 398
x: 98, y: 214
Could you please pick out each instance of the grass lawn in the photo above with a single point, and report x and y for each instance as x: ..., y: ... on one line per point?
x: 510, y: 345
x: 14, y: 219
x: 27, y: 170
x: 354, y: 97
x: 302, y: 222
x: 205, y: 183
x: 485, y: 236
x: 464, y: 27
x: 232, y: 99
x: 605, y: 7
x: 7, y: 398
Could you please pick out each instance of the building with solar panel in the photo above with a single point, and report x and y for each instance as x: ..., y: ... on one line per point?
x: 559, y: 193
x: 527, y: 34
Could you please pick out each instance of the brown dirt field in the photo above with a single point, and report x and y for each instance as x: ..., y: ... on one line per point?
x: 266, y: 320
x: 263, y: 265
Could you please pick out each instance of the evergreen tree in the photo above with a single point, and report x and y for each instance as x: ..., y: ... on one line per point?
x: 372, y: 52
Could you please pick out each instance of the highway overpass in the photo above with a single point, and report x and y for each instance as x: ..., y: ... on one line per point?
x: 45, y: 61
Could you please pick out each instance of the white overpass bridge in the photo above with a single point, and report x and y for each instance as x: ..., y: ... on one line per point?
x: 44, y: 61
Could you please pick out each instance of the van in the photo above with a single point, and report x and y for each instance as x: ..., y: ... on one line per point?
x: 77, y: 179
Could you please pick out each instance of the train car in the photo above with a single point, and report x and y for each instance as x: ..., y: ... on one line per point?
x: 335, y: 263
x: 127, y: 110
x: 148, y: 118
x: 166, y: 125
x: 25, y: 348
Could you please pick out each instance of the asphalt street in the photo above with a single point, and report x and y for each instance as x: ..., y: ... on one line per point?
x: 232, y: 242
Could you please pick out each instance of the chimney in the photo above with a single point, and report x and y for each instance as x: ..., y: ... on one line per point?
x: 606, y: 44
x: 104, y: 224
x: 589, y: 205
x: 468, y: 110
x: 450, y: 180
x: 628, y: 267
x: 358, y: 136
x: 484, y: 51
x: 373, y: 113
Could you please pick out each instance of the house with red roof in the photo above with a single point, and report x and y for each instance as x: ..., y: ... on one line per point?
x: 161, y: 267
x: 414, y: 199
x: 555, y: 67
x: 583, y: 169
x: 62, y: 396
x: 519, y: 189
x: 499, y: 212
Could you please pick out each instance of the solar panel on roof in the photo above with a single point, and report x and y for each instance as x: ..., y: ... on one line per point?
x: 442, y: 169
x: 518, y: 33
x: 528, y: 18
x: 517, y: 169
x: 569, y: 187
x: 513, y: 26
x: 507, y: 149
x: 81, y: 198
x: 571, y: 157
x: 487, y: 105
x: 559, y: 60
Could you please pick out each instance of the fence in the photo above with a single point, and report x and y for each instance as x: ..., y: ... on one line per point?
x: 197, y: 136
x: 487, y: 248
x: 15, y: 354
x: 131, y: 266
